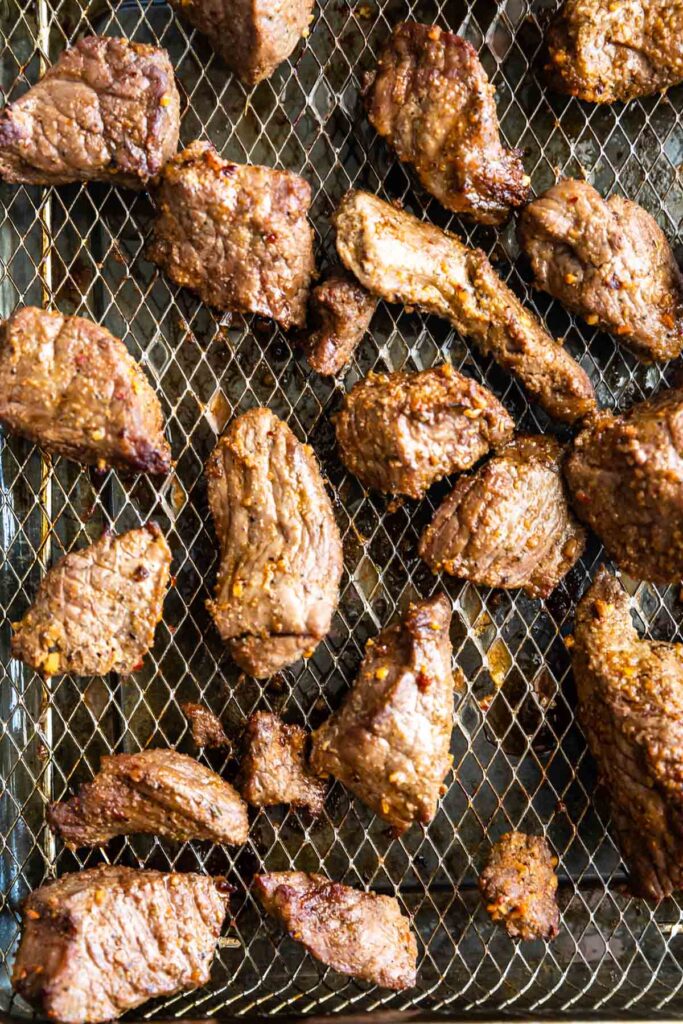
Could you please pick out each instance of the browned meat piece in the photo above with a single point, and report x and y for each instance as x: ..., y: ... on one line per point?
x: 401, y: 432
x: 631, y: 710
x: 96, y: 610
x: 252, y: 36
x: 519, y: 886
x: 108, y: 110
x: 625, y: 475
x: 72, y: 387
x: 235, y: 234
x: 357, y: 933
x: 340, y: 310
x: 401, y: 259
x: 603, y: 51
x: 281, y: 553
x: 274, y: 769
x: 99, y: 942
x: 508, y: 524
x: 389, y: 742
x: 431, y: 99
x: 205, y: 727
x: 158, y: 792
x: 609, y: 261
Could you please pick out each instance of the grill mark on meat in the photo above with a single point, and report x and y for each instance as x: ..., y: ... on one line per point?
x: 274, y: 769
x: 519, y: 886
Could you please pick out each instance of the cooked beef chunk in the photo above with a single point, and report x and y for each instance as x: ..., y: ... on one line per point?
x: 630, y: 695
x: 340, y: 311
x: 401, y: 259
x: 72, y: 387
x: 235, y: 234
x: 431, y: 99
x: 99, y: 942
x: 281, y: 553
x: 508, y: 524
x: 252, y: 36
x: 609, y: 261
x: 603, y: 51
x: 158, y: 792
x: 625, y: 475
x: 274, y: 769
x: 400, y: 432
x: 108, y: 110
x: 519, y: 886
x: 389, y: 742
x: 358, y: 933
x: 205, y: 727
x: 96, y: 610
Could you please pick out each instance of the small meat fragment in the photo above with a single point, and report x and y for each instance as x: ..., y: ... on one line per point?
x: 157, y: 792
x: 99, y: 942
x: 431, y: 99
x: 609, y: 261
x: 96, y: 610
x: 281, y: 553
x: 108, y: 110
x: 509, y: 524
x: 72, y: 387
x: 357, y: 933
x: 340, y: 310
x: 205, y: 727
x: 401, y: 259
x: 389, y: 742
x: 519, y: 887
x: 274, y: 769
x: 235, y: 234
x: 401, y: 432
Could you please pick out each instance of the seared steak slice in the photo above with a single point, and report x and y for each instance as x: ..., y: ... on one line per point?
x: 340, y: 311
x: 158, y: 792
x: 631, y: 710
x: 519, y: 886
x: 431, y: 99
x: 281, y: 553
x: 274, y: 769
x: 72, y: 387
x: 358, y: 933
x: 508, y: 524
x: 603, y: 51
x: 235, y: 234
x: 96, y: 610
x: 99, y: 942
x: 389, y: 742
x: 205, y: 727
x: 401, y: 432
x: 609, y: 261
x: 401, y: 259
x: 108, y: 110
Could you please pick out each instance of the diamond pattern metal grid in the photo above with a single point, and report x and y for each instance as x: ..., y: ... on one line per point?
x: 519, y: 757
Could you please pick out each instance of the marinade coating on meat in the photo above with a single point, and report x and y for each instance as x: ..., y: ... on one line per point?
x: 71, y: 387
x: 401, y: 432
x: 401, y: 259
x: 205, y: 727
x: 108, y: 110
x: 105, y: 940
x: 625, y: 476
x: 158, y: 792
x: 274, y: 769
x: 236, y: 234
x: 252, y: 36
x: 358, y: 933
x: 603, y: 51
x: 281, y: 553
x: 431, y: 99
x: 609, y: 261
x: 630, y: 706
x: 340, y: 311
x: 509, y: 523
x: 96, y: 610
x: 519, y: 886
x: 389, y: 742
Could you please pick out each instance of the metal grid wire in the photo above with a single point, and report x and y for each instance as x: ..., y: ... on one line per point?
x: 520, y: 760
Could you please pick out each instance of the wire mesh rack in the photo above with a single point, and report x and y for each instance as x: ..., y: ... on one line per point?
x: 520, y: 759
